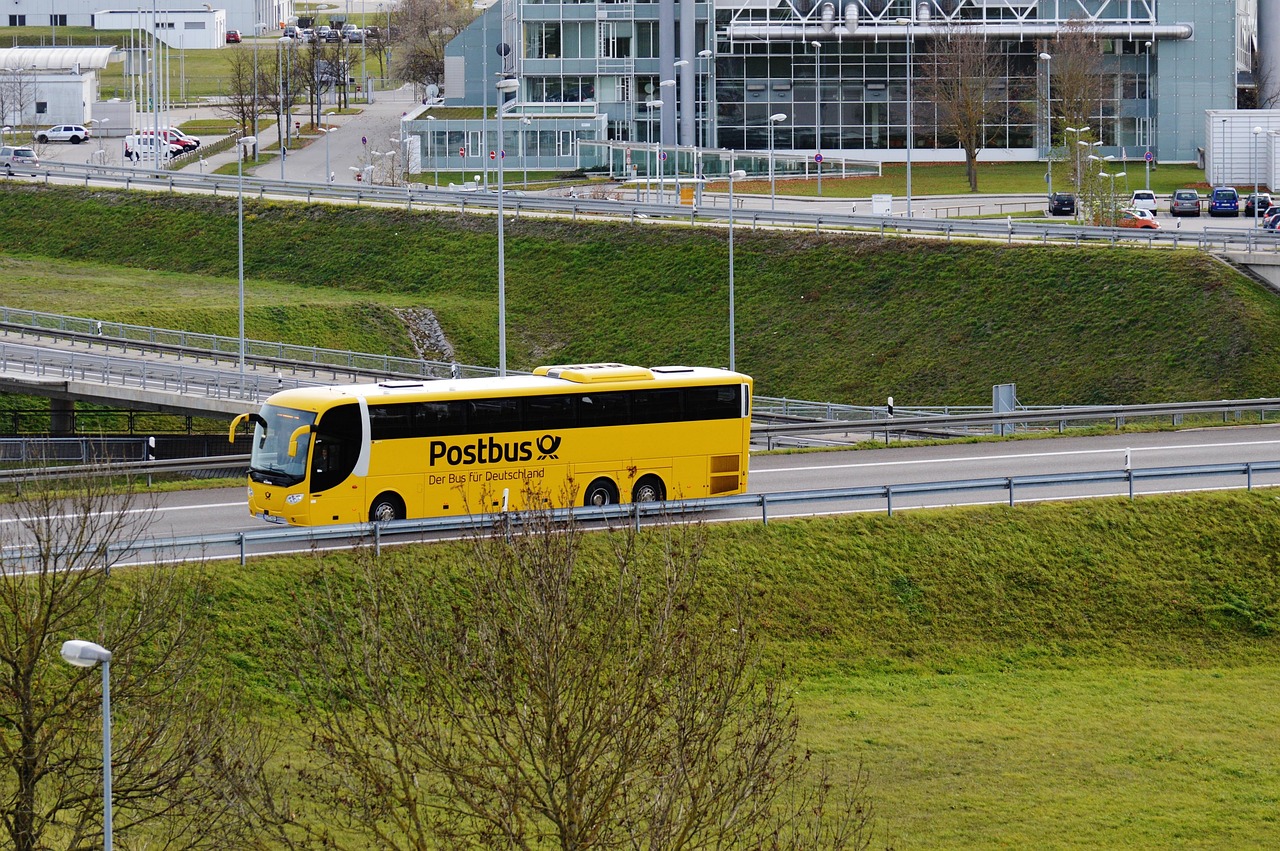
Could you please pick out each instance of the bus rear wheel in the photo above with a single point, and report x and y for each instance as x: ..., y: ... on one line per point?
x: 649, y: 489
x: 601, y: 492
x: 385, y: 508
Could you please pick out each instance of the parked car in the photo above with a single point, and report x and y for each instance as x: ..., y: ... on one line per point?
x: 73, y: 133
x: 19, y: 155
x: 1134, y: 218
x: 307, y: 35
x: 174, y: 136
x: 233, y: 36
x: 322, y: 32
x: 1261, y: 201
x: 1271, y: 218
x: 1185, y: 202
x: 1224, y: 201
x: 1062, y: 204
x: 352, y: 33
x: 139, y: 147
x: 373, y: 32
x: 1143, y: 199
x: 291, y: 32
x: 333, y: 36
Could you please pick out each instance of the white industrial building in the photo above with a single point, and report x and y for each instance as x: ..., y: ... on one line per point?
x: 41, y: 86
x: 183, y: 29
x: 242, y: 15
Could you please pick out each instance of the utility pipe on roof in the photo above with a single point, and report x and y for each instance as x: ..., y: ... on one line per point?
x: 869, y: 32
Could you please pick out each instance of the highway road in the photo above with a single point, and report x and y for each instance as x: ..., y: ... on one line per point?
x: 223, y: 510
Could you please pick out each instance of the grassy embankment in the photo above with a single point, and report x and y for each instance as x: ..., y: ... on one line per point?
x: 833, y: 317
x: 1096, y: 675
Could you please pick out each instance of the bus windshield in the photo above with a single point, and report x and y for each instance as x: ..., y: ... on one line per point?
x: 270, y: 461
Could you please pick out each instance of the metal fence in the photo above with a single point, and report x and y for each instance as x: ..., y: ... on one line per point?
x: 743, y: 507
x: 711, y: 211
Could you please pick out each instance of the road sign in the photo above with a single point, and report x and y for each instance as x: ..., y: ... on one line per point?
x: 1148, y: 156
x: 664, y: 155
x: 364, y: 140
x: 817, y: 158
x: 462, y: 152
x: 502, y: 154
x: 493, y: 155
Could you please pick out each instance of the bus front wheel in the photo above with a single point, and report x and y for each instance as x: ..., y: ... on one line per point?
x: 601, y: 492
x: 649, y: 489
x: 385, y: 508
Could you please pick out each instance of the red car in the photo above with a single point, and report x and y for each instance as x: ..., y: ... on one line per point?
x: 1136, y: 219
x: 233, y: 36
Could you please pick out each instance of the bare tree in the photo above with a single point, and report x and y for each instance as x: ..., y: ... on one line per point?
x: 957, y: 75
x: 1078, y: 79
x: 242, y: 98
x: 549, y: 694
x: 425, y: 27
x: 282, y: 85
x: 17, y: 99
x: 169, y: 723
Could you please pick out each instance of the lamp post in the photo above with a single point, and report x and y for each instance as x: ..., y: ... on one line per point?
x: 1080, y: 143
x: 657, y: 147
x: 525, y: 121
x: 705, y: 142
x: 282, y: 121
x: 1222, y: 156
x: 737, y: 174
x: 1111, y: 203
x: 677, y: 65
x: 910, y: 112
x: 326, y: 129
x: 86, y: 654
x: 1257, y: 131
x: 817, y: 110
x: 1146, y: 159
x: 505, y: 86
x: 773, y: 119
x: 242, y: 143
x: 1048, y: 114
x: 675, y: 112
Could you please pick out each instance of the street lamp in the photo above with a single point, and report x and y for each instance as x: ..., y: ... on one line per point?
x: 657, y: 148
x: 675, y: 111
x: 1048, y: 113
x: 706, y: 125
x: 817, y: 110
x: 1257, y: 131
x: 1080, y: 143
x: 1147, y: 158
x: 86, y: 654
x: 525, y: 121
x: 504, y: 86
x: 327, y: 130
x: 242, y: 143
x: 737, y: 174
x: 773, y: 119
x: 910, y: 128
x: 282, y: 121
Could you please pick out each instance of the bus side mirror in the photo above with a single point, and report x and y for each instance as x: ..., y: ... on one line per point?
x: 235, y: 424
x: 293, y: 439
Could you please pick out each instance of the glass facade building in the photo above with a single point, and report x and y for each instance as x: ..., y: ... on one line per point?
x: 709, y: 75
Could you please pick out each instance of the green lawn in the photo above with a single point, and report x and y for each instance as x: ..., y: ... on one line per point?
x: 993, y: 178
x: 1073, y: 675
x: 835, y: 317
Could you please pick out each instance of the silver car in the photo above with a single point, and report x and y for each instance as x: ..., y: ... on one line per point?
x: 1185, y: 202
x: 11, y: 155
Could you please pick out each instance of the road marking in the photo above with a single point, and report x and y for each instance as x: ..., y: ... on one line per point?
x: 155, y: 510
x: 986, y: 459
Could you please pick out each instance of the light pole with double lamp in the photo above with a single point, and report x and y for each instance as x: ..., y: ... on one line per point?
x: 86, y: 654
x: 737, y: 174
x: 773, y: 119
x: 817, y: 110
x: 1147, y: 159
x: 1048, y: 116
x: 241, y: 144
x: 657, y: 147
x: 1080, y: 143
x: 505, y: 86
x: 282, y: 118
x: 675, y: 113
x: 326, y: 130
x: 909, y: 22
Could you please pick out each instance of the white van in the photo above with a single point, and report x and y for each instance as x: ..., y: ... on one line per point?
x: 148, y: 147
x: 1144, y: 199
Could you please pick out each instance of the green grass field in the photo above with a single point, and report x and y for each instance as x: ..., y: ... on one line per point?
x: 833, y: 317
x: 1071, y: 675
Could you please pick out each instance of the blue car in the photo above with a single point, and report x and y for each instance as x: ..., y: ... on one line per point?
x: 1224, y: 201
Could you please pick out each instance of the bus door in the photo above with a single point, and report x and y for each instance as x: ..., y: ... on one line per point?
x: 334, y: 494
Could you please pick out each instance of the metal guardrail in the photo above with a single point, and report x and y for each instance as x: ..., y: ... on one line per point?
x: 240, y: 544
x: 1119, y: 413
x: 516, y: 202
x: 133, y: 468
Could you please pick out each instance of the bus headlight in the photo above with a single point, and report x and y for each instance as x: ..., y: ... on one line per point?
x: 293, y: 499
x: 250, y: 492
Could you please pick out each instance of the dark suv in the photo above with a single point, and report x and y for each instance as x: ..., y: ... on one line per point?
x: 1062, y: 204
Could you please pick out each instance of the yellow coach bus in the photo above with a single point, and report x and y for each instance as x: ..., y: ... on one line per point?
x: 590, y: 434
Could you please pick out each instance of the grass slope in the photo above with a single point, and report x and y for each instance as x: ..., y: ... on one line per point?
x: 837, y: 317
x: 1095, y: 675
